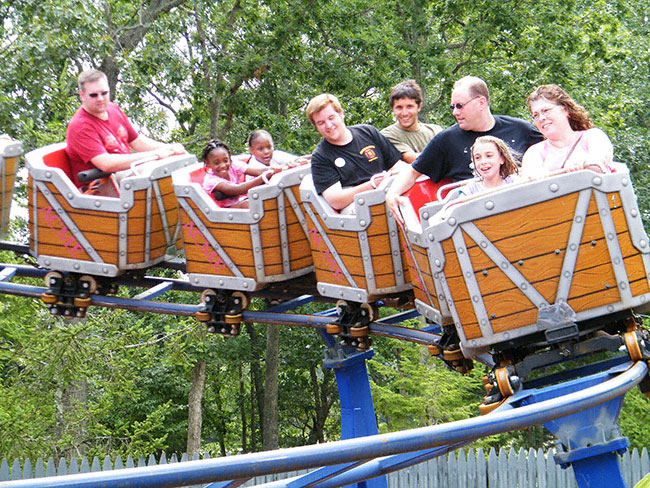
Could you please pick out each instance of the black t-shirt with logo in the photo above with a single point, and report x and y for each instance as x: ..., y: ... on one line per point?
x: 354, y: 163
x: 448, y: 154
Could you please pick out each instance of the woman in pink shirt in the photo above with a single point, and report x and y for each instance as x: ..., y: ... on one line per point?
x: 572, y: 142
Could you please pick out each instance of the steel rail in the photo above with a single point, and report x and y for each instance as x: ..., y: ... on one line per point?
x: 350, y: 450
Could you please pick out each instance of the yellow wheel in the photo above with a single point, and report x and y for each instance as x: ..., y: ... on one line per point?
x: 202, y: 316
x: 82, y: 302
x: 51, y: 277
x: 243, y: 299
x: 359, y: 331
x: 92, y: 283
x: 206, y: 293
x: 361, y: 346
x: 333, y: 329
x: 48, y: 298
x: 233, y: 319
x: 434, y: 350
x: 633, y: 347
x: 503, y: 382
x: 487, y: 408
x: 453, y: 355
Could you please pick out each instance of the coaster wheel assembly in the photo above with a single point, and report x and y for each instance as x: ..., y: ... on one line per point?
x: 352, y: 326
x: 221, y: 311
x: 69, y: 294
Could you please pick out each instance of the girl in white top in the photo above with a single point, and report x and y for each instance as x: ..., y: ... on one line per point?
x: 572, y: 142
x: 493, y: 162
x: 262, y: 153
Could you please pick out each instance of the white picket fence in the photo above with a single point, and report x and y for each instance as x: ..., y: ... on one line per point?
x: 471, y: 469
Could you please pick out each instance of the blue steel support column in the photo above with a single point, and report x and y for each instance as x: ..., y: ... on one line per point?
x: 357, y: 409
x: 591, y: 438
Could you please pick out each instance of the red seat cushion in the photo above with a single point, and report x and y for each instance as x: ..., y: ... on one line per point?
x: 58, y: 159
x: 423, y: 192
x: 197, y: 176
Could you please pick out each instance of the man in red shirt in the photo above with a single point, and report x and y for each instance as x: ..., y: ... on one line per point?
x: 100, y: 135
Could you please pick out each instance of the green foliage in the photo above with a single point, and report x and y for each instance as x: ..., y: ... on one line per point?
x: 411, y: 389
x: 635, y: 417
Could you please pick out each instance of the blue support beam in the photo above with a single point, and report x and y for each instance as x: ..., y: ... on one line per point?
x: 357, y: 409
x: 591, y: 438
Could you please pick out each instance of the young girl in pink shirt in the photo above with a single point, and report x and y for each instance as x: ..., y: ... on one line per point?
x: 225, y: 178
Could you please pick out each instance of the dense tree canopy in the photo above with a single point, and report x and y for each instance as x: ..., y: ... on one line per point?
x: 189, y: 70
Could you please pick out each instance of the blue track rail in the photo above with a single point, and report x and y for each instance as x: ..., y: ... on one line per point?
x: 358, y: 451
x: 386, y: 327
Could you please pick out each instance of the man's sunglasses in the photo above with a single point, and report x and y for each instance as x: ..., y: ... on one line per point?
x: 95, y: 95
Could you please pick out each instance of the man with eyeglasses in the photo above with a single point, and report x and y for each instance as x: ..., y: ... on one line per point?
x: 448, y: 154
x: 100, y: 136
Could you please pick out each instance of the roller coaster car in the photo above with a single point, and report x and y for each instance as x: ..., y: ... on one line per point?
x: 97, y: 236
x: 357, y: 258
x: 424, y: 202
x: 426, y: 198
x: 10, y: 152
x: 243, y: 249
x: 543, y: 270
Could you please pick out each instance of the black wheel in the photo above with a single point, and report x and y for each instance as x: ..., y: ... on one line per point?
x: 372, y: 311
x: 92, y: 283
x: 243, y: 299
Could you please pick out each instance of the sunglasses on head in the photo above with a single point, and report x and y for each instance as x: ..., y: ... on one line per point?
x: 95, y: 95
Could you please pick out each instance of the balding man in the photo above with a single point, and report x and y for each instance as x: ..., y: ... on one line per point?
x: 448, y: 154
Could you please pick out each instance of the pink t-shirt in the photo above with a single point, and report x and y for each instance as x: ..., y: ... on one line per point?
x: 89, y: 136
x: 236, y: 174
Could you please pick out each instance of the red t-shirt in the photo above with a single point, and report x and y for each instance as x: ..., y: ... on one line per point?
x: 89, y: 136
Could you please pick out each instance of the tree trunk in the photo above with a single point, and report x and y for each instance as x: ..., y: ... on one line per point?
x: 69, y: 401
x: 270, y: 420
x: 257, y: 382
x: 323, y: 399
x: 195, y: 412
x: 242, y: 409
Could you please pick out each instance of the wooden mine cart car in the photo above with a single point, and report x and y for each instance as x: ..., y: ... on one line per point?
x: 243, y: 248
x: 10, y: 152
x: 543, y: 270
x: 99, y: 235
x: 232, y: 251
x: 357, y: 258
